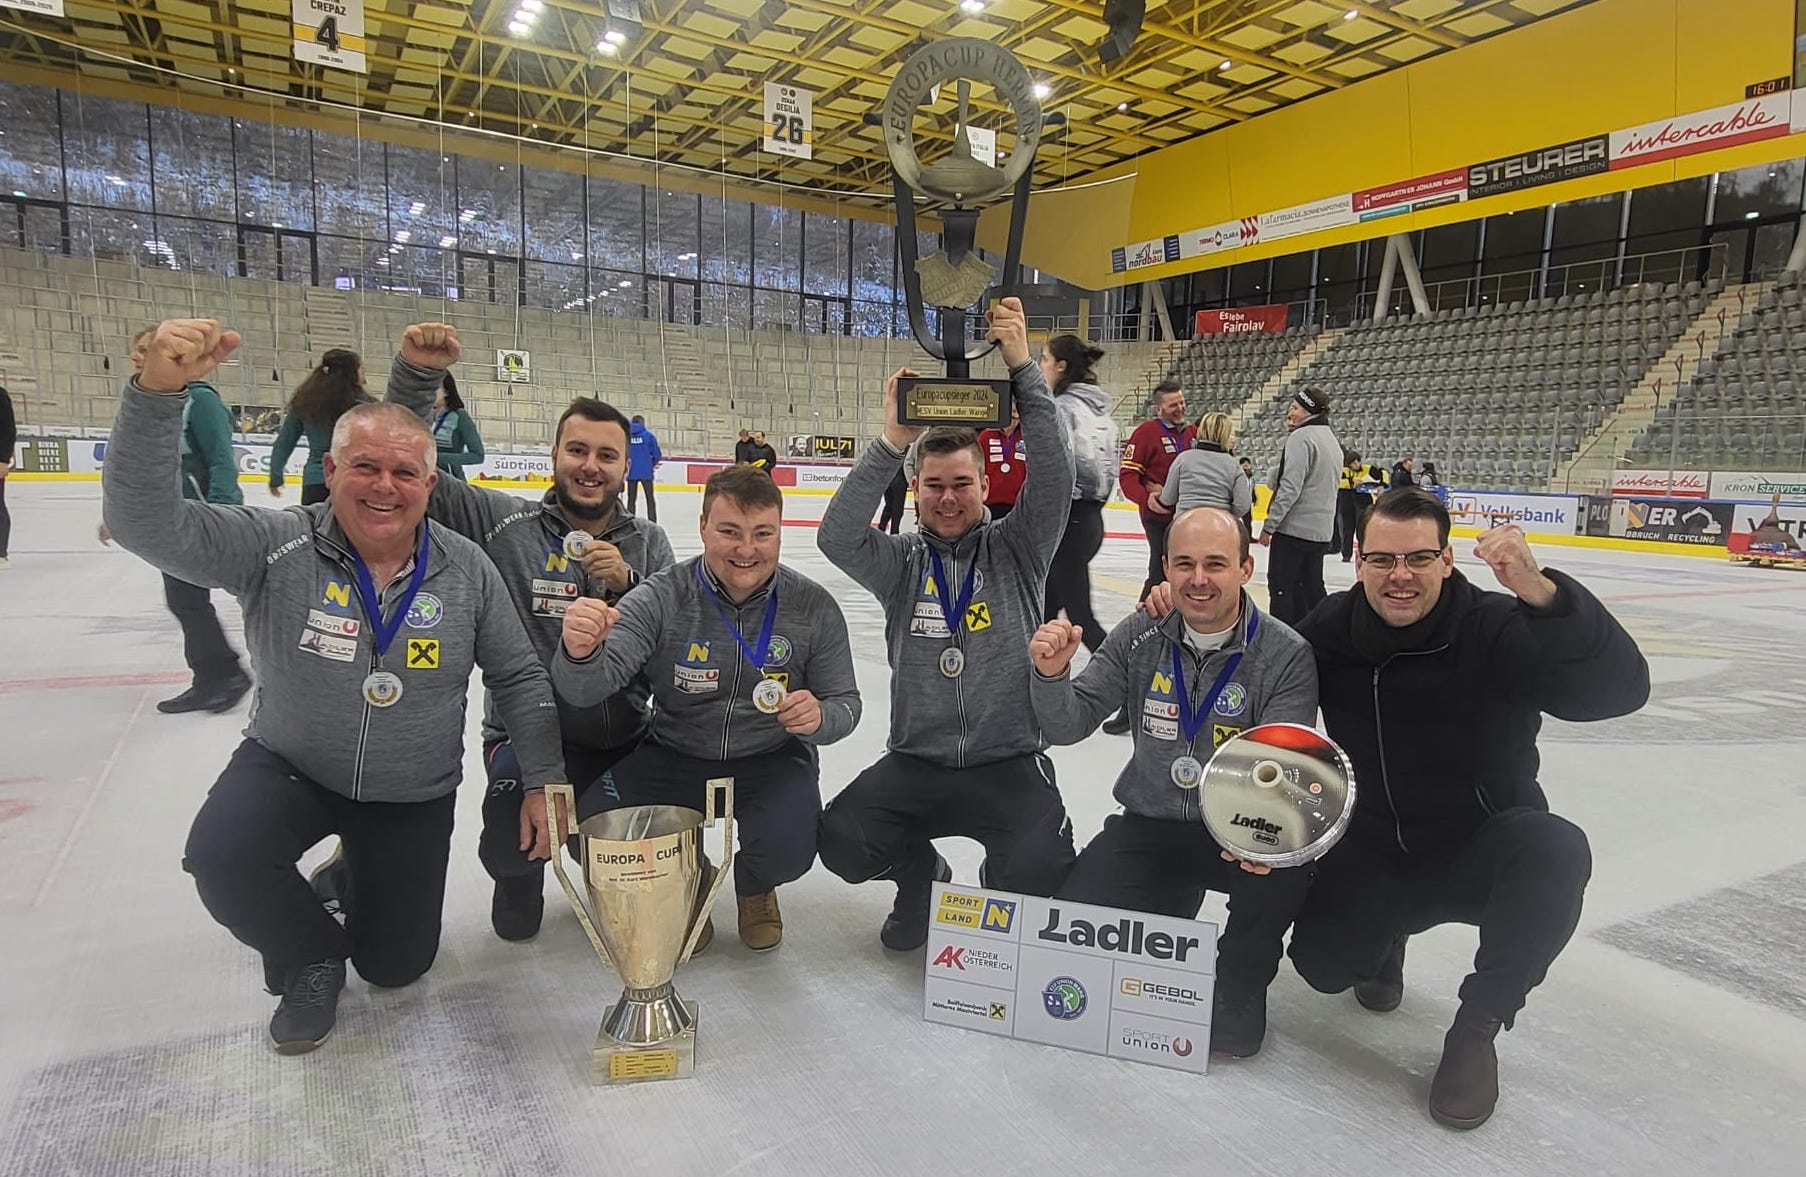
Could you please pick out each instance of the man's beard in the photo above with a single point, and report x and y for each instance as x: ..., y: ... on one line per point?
x: 581, y: 512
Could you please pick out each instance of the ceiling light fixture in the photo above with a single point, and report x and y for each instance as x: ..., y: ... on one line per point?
x: 606, y: 48
x: 1226, y: 64
x: 1350, y: 14
x: 972, y: 7
x: 1043, y: 91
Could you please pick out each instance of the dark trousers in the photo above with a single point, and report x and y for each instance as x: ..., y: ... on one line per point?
x: 1348, y: 511
x: 313, y: 492
x: 6, y: 519
x: 1294, y: 577
x: 1156, y: 528
x: 1520, y: 879
x: 633, y: 498
x: 1165, y: 867
x: 258, y: 820
x: 498, y: 847
x: 204, y: 645
x: 882, y: 824
x: 777, y: 802
x: 1069, y: 576
x: 891, y: 519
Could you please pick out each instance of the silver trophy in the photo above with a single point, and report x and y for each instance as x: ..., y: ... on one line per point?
x: 1280, y: 794
x: 642, y: 866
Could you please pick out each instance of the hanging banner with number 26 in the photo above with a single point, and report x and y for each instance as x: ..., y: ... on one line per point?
x: 789, y: 121
x: 330, y: 32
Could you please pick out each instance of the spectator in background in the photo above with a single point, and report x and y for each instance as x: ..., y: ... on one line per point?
x: 1402, y: 474
x: 764, y: 457
x: 1248, y: 473
x: 1302, y: 515
x: 454, y: 433
x: 891, y: 518
x: 1207, y: 475
x: 1429, y: 480
x: 1006, y: 463
x: 9, y: 441
x: 330, y: 389
x: 1068, y: 364
x: 1348, y: 502
x: 643, y: 457
x: 745, y: 452
x: 1153, y: 448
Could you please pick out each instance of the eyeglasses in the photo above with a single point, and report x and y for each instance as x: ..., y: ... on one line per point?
x: 1387, y: 561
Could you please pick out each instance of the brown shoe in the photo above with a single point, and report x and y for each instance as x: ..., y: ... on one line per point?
x: 761, y: 925
x: 1383, y: 993
x: 1466, y: 1086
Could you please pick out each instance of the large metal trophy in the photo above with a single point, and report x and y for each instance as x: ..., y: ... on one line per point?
x: 642, y: 866
x: 1280, y: 794
x: 956, y: 278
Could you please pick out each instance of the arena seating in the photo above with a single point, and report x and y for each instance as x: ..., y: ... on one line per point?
x: 1220, y: 372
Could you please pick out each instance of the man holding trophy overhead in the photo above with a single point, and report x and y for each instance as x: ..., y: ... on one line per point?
x: 751, y: 670
x: 575, y: 542
x: 1188, y: 681
x: 364, y: 623
x: 961, y: 597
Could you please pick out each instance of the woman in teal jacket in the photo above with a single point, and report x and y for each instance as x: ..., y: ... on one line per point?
x: 330, y: 389
x: 455, y: 434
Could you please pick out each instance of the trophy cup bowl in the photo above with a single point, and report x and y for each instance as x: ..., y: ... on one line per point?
x: 1280, y: 794
x: 642, y: 866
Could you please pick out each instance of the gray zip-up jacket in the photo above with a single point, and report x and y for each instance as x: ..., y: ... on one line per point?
x: 1096, y: 454
x: 1304, y: 486
x: 671, y: 632
x: 1207, y: 478
x: 309, y: 640
x: 526, y: 541
x: 1276, y: 682
x: 983, y: 715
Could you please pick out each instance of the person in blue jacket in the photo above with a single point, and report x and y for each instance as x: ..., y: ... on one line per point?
x: 643, y: 457
x: 454, y: 432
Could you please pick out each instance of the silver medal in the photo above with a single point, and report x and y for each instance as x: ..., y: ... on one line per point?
x: 382, y: 688
x: 1280, y: 794
x: 1003, y: 467
x: 575, y: 542
x: 1187, y: 772
x: 953, y: 661
x: 769, y: 695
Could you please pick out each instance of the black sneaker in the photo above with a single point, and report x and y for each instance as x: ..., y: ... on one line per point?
x: 309, y: 1009
x: 1238, y: 1021
x: 906, y: 927
x: 1383, y: 993
x: 331, y: 882
x: 1119, y: 724
x: 518, y: 906
x: 214, y: 697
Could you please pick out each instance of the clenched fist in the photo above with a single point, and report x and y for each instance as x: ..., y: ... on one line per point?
x: 800, y: 713
x: 1010, y: 329
x: 431, y: 345
x: 604, y: 562
x: 1507, y: 553
x: 587, y: 624
x: 1053, y: 646
x: 182, y: 351
x: 899, y: 435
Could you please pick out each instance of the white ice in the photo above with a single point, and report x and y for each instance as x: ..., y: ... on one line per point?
x: 1669, y: 1038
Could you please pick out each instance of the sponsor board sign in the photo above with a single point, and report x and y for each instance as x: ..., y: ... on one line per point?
x: 1142, y: 254
x: 1328, y: 213
x: 1240, y: 320
x: 1123, y: 984
x: 1704, y: 130
x: 1682, y: 484
x: 1742, y: 484
x: 1671, y: 521
x: 1536, y: 514
x: 1546, y: 165
x: 1422, y: 192
x: 1216, y: 238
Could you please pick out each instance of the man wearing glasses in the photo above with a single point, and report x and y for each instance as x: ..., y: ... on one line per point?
x: 1436, y: 689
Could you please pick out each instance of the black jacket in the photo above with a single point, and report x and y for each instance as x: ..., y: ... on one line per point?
x: 1401, y: 477
x: 746, y: 452
x: 1441, y: 719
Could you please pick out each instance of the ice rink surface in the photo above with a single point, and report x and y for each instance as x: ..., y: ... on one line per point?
x: 1669, y: 1038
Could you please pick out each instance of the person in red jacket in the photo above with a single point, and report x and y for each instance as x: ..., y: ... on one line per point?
x: 1145, y: 461
x: 1006, y: 462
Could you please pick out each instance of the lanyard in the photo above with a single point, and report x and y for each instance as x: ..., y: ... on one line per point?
x: 1178, y: 440
x: 1192, y: 722
x: 382, y: 632
x: 953, y: 611
x: 756, y: 657
x: 1011, y: 440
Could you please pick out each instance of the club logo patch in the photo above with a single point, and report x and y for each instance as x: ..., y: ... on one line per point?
x: 1234, y: 700
x: 779, y: 654
x: 425, y: 612
x: 423, y: 653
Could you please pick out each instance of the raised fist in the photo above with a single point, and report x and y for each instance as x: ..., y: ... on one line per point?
x: 431, y: 345
x: 1010, y: 329
x: 182, y: 351
x: 603, y: 561
x: 1053, y: 646
x: 587, y: 624
x: 895, y: 432
x: 1507, y: 553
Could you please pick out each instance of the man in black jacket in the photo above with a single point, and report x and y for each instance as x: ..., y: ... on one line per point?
x: 1436, y: 690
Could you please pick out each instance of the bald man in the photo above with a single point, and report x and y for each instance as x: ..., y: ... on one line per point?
x: 1204, y: 672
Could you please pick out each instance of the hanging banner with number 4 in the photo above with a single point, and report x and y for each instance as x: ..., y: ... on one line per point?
x: 330, y: 32
x: 789, y: 121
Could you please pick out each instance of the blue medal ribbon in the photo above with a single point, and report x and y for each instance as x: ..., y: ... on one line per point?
x: 382, y: 632
x: 756, y: 657
x: 1192, y: 722
x: 954, y: 611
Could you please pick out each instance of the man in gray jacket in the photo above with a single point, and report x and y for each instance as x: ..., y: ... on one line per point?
x: 534, y: 545
x: 1302, y: 516
x: 1215, y: 661
x: 961, y: 597
x: 751, y: 669
x: 364, y: 623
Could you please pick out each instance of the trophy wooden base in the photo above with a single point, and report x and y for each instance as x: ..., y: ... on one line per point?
x: 613, y: 1062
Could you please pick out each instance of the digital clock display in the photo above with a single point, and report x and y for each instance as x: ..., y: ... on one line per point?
x: 1764, y: 89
